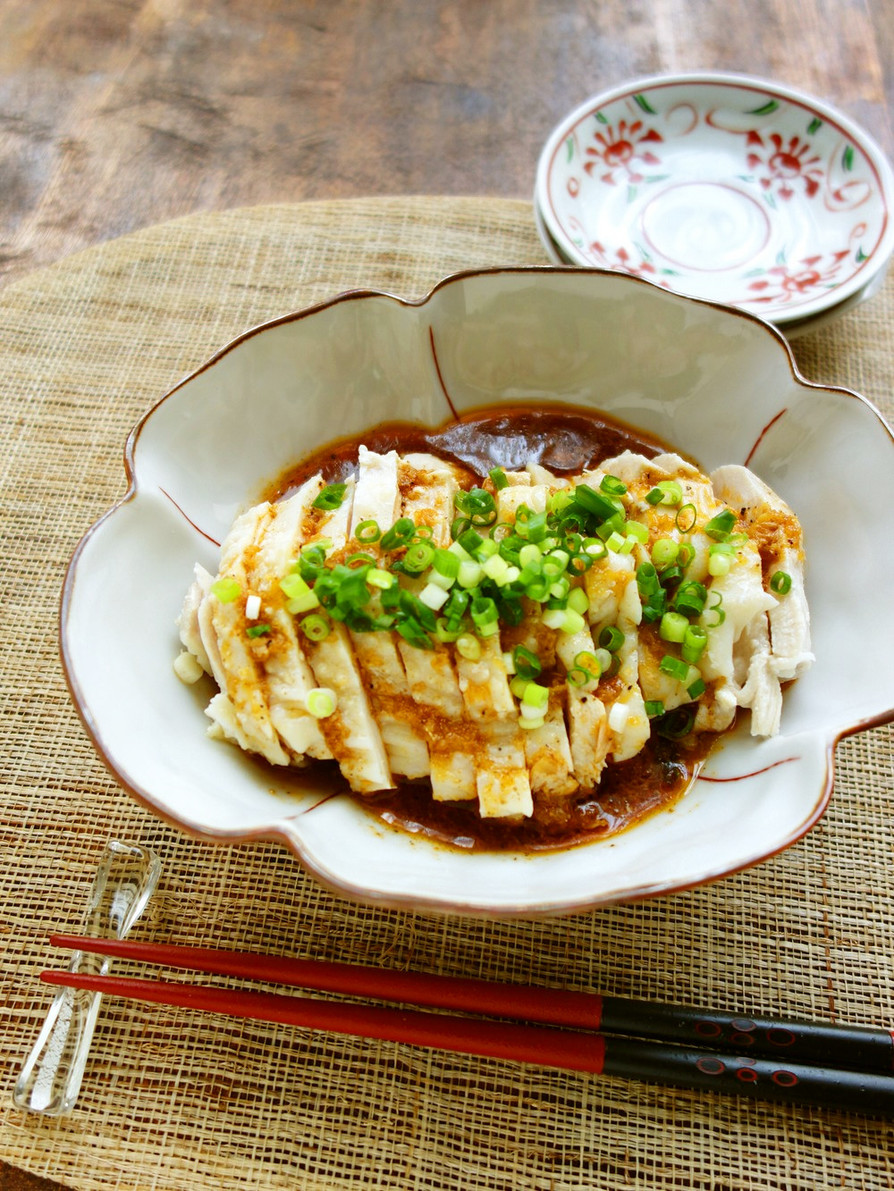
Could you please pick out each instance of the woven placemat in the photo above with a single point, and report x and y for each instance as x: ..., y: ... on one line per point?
x: 178, y: 1100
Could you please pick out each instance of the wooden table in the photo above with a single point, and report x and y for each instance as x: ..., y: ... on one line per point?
x: 118, y: 115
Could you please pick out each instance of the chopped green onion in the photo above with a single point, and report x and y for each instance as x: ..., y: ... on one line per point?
x: 686, y: 555
x: 498, y: 478
x: 720, y: 526
x: 468, y: 647
x: 654, y: 708
x: 686, y: 518
x: 690, y: 598
x: 526, y: 664
x: 257, y: 630
x: 673, y: 627
x: 578, y: 600
x: 781, y: 582
x: 612, y: 485
x: 677, y: 723
x: 718, y: 611
x: 578, y: 676
x: 694, y: 642
x: 381, y: 579
x: 301, y: 598
x: 674, y: 667
x: 398, y: 535
x: 696, y: 688
x: 596, y: 502
x: 418, y: 557
x: 611, y: 638
x: 637, y: 531
x: 470, y: 542
x: 530, y: 723
x: 445, y: 631
x: 719, y: 565
x: 665, y: 492
x: 665, y: 553
x: 535, y: 695
x: 434, y: 596
x: 368, y: 531
x: 647, y: 579
x: 477, y: 505
x: 315, y: 627
x: 469, y: 574
x: 321, y: 702
x: 331, y: 497
x: 226, y: 589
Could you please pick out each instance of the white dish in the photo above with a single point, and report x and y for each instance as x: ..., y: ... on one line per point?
x: 715, y: 382
x: 723, y: 187
x: 792, y: 330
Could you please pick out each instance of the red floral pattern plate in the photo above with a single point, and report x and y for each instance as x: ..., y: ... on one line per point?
x: 722, y: 187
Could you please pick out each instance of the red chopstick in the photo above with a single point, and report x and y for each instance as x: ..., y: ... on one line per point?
x: 789, y: 1075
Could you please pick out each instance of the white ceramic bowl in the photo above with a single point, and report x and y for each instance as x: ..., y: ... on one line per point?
x: 717, y: 383
x: 723, y: 187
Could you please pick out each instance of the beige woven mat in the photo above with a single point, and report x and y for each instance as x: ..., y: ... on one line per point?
x: 178, y: 1100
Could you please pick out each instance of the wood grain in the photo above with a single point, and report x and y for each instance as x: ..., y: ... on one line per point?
x: 117, y: 114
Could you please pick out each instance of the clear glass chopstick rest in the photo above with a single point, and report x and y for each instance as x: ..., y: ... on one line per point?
x: 51, y: 1076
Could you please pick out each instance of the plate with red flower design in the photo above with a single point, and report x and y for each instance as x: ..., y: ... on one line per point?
x: 723, y: 187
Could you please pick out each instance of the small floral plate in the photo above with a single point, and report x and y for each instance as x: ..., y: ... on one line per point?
x: 722, y: 187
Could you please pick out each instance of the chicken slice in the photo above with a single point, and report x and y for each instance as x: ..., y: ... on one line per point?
x: 351, y: 732
x: 235, y: 664
x: 188, y: 620
x: 377, y: 498
x: 484, y: 684
x: 289, y: 676
x: 777, y: 533
x: 428, y: 486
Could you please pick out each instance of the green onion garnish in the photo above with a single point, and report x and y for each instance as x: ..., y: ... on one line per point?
x: 781, y: 582
x: 696, y: 688
x: 526, y: 664
x: 226, y: 589
x: 675, y: 667
x: 315, y: 627
x: 719, y: 527
x: 686, y: 518
x: 597, y: 502
x: 665, y: 492
x: 257, y: 630
x: 468, y: 647
x: 368, y: 531
x: 654, y: 708
x: 611, y: 638
x: 673, y: 627
x: 694, y: 642
x: 321, y: 702
x: 664, y: 553
x: 612, y: 485
x: 331, y: 497
x: 398, y: 535
x: 418, y: 557
x: 498, y: 478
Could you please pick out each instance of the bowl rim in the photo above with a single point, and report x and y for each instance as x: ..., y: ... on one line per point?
x: 278, y: 833
x: 876, y: 156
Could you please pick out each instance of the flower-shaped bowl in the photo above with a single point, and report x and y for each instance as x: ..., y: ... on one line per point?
x: 723, y: 187
x: 716, y: 383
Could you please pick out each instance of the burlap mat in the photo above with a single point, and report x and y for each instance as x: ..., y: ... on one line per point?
x: 179, y: 1100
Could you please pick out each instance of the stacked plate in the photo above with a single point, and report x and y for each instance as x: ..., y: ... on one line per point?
x: 723, y: 187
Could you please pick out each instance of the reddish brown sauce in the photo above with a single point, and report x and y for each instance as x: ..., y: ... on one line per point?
x: 566, y: 440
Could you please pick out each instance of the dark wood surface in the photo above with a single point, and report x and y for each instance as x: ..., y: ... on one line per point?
x: 118, y: 114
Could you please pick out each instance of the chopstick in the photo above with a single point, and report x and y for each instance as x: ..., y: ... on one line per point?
x: 821, y: 1064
